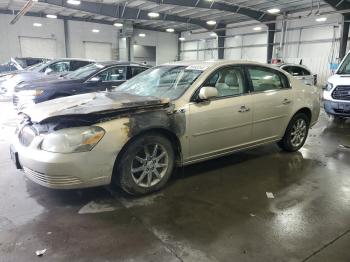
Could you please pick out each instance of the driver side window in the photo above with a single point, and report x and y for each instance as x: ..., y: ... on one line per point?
x: 113, y: 74
x: 228, y: 81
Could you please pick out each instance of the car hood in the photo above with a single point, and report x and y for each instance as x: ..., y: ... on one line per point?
x: 85, y: 104
x: 48, y: 83
x: 338, y: 80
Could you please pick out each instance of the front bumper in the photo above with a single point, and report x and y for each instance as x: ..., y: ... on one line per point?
x: 64, y: 171
x: 337, y: 108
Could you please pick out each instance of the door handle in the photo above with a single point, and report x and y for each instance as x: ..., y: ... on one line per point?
x: 243, y: 109
x: 286, y: 101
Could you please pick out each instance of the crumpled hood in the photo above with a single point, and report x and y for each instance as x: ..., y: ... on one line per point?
x: 89, y: 103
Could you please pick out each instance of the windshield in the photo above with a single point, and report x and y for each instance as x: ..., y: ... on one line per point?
x: 84, y: 71
x: 162, y: 82
x: 344, y: 68
x: 34, y: 67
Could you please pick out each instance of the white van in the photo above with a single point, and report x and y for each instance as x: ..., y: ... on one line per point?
x: 336, y: 94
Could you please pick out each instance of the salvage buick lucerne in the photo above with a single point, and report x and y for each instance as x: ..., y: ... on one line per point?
x: 175, y: 114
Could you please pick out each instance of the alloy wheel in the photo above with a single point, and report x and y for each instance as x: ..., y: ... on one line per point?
x: 149, y: 165
x: 298, y: 134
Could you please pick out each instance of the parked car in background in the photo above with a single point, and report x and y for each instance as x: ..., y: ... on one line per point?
x: 50, y: 69
x: 91, y: 78
x: 336, y: 94
x: 175, y: 114
x: 300, y: 72
x: 17, y: 63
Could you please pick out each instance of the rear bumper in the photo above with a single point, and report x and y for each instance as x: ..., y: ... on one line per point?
x: 337, y: 108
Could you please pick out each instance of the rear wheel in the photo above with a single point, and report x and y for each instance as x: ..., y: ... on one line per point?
x: 296, y: 133
x: 146, y: 164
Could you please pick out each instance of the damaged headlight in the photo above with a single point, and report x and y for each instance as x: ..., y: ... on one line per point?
x: 73, y: 140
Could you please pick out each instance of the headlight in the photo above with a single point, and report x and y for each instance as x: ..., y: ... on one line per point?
x: 73, y: 140
x: 329, y: 86
x: 36, y: 92
x: 6, y: 77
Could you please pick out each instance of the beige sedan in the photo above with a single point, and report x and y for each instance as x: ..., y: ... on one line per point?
x: 171, y: 115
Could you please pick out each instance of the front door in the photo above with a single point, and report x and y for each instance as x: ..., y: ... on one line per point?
x: 223, y: 123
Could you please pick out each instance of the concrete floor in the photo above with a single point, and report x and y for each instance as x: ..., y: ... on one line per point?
x: 213, y: 211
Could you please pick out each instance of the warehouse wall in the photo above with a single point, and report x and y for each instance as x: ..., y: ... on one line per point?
x: 10, y: 34
x: 80, y: 32
x: 165, y: 43
x: 317, y: 44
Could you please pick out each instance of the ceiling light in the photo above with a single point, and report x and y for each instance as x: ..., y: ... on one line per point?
x: 211, y: 22
x: 51, y: 16
x: 35, y: 0
x: 37, y: 24
x: 213, y: 34
x: 321, y: 19
x: 273, y: 11
x: 153, y: 15
x: 73, y: 2
x: 170, y: 30
x: 95, y: 30
x: 118, y: 24
x: 142, y: 35
x: 258, y: 28
x: 182, y: 38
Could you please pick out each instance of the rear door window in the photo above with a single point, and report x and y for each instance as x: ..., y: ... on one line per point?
x: 74, y: 65
x: 135, y: 70
x: 266, y: 79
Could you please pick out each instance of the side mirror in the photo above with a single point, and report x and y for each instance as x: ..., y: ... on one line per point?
x: 208, y: 92
x: 48, y: 71
x: 95, y: 79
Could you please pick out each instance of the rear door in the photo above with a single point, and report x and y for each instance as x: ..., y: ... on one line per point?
x: 272, y: 102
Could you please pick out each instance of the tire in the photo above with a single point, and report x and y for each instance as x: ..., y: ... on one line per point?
x: 338, y: 119
x: 133, y: 164
x: 296, y: 134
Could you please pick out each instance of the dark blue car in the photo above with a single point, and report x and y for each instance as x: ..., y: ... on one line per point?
x: 91, y: 78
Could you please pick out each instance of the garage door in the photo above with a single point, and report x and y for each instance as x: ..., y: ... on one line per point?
x: 37, y: 47
x: 98, y: 51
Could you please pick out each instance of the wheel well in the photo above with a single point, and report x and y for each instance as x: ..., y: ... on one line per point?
x: 305, y: 111
x: 168, y: 134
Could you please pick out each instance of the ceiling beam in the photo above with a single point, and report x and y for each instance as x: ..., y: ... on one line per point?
x: 124, y: 12
x: 338, y: 4
x: 71, y: 18
x: 215, y: 5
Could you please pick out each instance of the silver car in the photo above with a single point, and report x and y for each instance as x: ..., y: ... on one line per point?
x: 171, y: 115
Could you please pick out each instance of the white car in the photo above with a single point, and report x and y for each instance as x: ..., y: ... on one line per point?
x: 175, y: 114
x: 300, y: 72
x: 336, y: 95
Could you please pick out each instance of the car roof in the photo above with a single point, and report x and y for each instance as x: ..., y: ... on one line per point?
x: 126, y: 63
x: 203, y: 65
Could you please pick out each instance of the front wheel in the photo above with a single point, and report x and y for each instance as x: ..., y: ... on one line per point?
x: 146, y: 164
x: 296, y: 133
